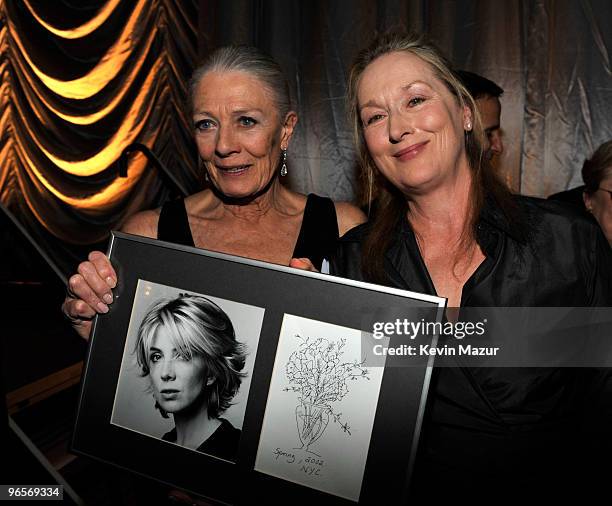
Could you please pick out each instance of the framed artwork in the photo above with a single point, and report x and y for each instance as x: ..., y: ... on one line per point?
x: 241, y: 381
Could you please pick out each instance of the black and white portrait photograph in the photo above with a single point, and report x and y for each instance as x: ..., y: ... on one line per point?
x: 186, y: 369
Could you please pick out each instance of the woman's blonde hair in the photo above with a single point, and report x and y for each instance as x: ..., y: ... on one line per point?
x: 196, y: 326
x: 391, y: 205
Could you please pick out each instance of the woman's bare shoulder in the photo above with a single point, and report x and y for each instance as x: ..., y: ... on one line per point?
x: 143, y: 223
x: 349, y: 216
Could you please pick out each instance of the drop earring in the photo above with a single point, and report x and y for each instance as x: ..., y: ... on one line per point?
x: 283, y: 169
x: 204, y: 171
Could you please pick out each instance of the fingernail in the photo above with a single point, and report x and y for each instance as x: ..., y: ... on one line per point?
x: 102, y: 308
x: 111, y: 282
x: 108, y: 298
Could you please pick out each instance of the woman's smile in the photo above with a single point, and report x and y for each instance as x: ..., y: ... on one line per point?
x: 410, y: 152
x: 235, y: 170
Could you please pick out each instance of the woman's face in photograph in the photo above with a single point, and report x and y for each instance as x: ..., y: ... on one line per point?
x: 177, y: 381
x: 412, y: 125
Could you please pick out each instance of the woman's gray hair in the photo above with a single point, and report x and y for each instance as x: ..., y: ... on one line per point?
x: 251, y: 61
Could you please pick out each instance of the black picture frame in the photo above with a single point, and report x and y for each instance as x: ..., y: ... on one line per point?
x: 279, y: 291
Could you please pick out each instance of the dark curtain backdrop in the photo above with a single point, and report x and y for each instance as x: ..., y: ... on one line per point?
x: 81, y: 79
x: 550, y: 56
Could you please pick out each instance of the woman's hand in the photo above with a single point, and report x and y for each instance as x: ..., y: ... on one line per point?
x: 89, y: 292
x: 302, y: 263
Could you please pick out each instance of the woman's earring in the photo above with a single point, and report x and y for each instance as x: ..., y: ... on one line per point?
x: 468, y: 126
x: 283, y: 170
x: 204, y: 170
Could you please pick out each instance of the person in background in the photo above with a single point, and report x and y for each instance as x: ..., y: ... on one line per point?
x: 597, y: 194
x: 486, y: 94
x: 243, y: 123
x: 590, y: 197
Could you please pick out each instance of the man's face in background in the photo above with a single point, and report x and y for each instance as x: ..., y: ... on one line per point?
x: 490, y: 113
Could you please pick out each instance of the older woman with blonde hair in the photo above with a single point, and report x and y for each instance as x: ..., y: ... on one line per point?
x: 446, y: 225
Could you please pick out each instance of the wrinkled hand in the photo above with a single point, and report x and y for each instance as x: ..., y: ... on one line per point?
x: 89, y: 292
x: 302, y: 263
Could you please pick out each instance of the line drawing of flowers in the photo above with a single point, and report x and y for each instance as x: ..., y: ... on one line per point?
x: 319, y: 377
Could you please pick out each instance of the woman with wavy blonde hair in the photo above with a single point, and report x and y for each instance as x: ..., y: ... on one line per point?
x: 188, y: 349
x: 445, y: 225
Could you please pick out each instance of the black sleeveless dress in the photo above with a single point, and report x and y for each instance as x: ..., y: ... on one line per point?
x: 316, y: 241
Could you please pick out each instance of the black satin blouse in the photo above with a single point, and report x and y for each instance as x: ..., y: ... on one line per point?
x: 512, y: 432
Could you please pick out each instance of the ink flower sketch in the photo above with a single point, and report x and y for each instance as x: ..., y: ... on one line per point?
x: 319, y: 377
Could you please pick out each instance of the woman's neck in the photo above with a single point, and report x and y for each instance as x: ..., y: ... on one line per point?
x: 441, y: 221
x: 277, y: 199
x: 445, y: 211
x: 193, y: 428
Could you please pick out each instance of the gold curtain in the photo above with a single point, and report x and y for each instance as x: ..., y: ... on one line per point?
x: 77, y: 86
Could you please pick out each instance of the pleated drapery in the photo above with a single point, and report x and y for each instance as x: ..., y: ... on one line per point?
x: 81, y: 81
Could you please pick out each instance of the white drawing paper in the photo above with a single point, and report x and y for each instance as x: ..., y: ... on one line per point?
x: 320, y: 410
